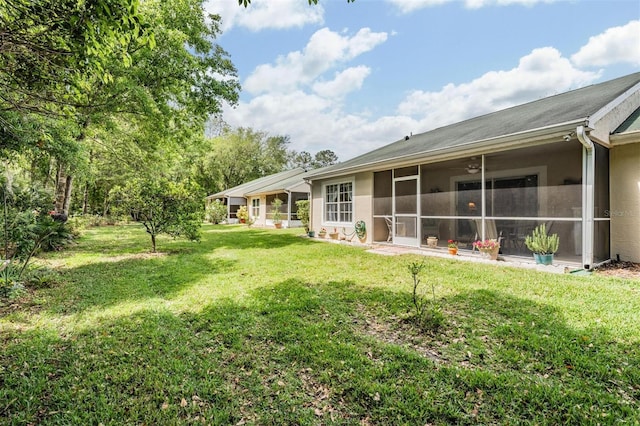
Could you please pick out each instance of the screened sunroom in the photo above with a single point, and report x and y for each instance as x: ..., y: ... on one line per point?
x: 501, y: 195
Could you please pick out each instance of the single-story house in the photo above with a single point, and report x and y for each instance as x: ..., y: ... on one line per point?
x: 258, y: 195
x: 570, y: 161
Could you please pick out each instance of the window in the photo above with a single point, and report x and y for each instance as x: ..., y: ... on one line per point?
x: 255, y: 207
x: 338, y: 202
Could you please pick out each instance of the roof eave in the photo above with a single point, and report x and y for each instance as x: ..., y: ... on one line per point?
x: 625, y: 138
x: 536, y: 136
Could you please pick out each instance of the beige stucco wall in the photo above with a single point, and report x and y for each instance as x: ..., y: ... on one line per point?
x: 363, y: 203
x: 625, y: 202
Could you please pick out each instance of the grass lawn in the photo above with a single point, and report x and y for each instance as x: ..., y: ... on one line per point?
x: 254, y: 326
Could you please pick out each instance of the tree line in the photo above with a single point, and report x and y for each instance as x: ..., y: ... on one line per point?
x: 103, y: 101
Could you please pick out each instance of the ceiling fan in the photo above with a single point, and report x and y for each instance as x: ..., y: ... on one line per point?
x: 472, y: 167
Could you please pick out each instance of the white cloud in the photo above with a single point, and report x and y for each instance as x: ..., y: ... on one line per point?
x: 316, y: 121
x: 408, y: 6
x: 344, y: 82
x: 541, y: 73
x: 261, y: 14
x: 615, y: 45
x: 324, y: 51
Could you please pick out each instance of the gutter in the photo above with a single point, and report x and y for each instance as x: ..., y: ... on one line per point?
x: 588, y: 196
x: 475, y: 147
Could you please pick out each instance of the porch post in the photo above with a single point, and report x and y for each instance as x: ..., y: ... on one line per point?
x: 588, y: 196
x: 288, y: 208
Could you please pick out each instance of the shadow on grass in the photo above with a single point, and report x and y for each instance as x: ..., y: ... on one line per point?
x: 104, y: 284
x: 128, y: 272
x: 296, y: 354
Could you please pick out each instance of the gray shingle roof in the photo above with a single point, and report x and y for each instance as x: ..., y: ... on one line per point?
x: 571, y: 107
x: 259, y: 185
x: 294, y: 183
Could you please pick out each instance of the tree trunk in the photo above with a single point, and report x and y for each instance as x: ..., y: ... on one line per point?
x: 85, y: 199
x: 67, y: 195
x: 105, y: 203
x: 153, y: 243
x: 61, y: 189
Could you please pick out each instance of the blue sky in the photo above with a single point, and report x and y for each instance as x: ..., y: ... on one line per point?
x: 352, y: 77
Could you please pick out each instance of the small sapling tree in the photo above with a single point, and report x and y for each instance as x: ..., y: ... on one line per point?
x: 427, y: 315
x: 163, y: 207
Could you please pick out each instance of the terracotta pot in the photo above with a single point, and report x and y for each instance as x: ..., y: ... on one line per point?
x: 453, y: 251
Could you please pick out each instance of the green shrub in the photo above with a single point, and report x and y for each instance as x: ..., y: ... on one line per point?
x: 216, y: 212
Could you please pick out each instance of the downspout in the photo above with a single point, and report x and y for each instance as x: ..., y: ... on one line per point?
x: 288, y: 208
x: 483, y: 201
x: 588, y: 195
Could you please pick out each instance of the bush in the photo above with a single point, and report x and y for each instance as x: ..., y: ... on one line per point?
x: 303, y: 213
x: 216, y: 212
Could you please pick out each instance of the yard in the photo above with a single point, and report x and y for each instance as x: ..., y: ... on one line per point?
x: 254, y: 326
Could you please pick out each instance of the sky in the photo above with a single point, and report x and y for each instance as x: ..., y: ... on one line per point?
x: 351, y: 77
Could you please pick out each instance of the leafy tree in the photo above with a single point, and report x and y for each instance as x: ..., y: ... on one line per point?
x: 163, y: 207
x: 27, y: 228
x: 49, y: 48
x: 304, y: 159
x: 239, y: 156
x: 163, y: 96
x: 324, y: 158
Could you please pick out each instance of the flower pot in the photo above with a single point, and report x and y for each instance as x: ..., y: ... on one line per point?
x: 432, y: 242
x: 322, y: 234
x: 278, y: 225
x: 490, y: 254
x: 453, y: 251
x: 543, y: 259
x: 333, y: 235
x: 311, y: 234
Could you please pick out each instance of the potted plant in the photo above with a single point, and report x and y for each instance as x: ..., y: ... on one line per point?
x: 452, y: 246
x: 322, y: 233
x: 488, y: 248
x: 277, y: 214
x: 334, y: 235
x: 243, y: 214
x: 432, y: 242
x: 542, y: 245
x: 303, y: 215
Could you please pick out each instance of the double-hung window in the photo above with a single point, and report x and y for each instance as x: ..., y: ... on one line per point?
x: 255, y: 207
x: 338, y: 202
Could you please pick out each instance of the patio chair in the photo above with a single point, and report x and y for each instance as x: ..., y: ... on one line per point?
x: 491, y: 232
x: 389, y: 223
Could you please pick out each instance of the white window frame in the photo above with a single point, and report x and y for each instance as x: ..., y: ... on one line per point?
x: 345, y: 210
x: 255, y: 208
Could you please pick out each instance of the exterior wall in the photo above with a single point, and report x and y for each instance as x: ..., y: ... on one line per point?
x: 625, y: 202
x: 362, y: 203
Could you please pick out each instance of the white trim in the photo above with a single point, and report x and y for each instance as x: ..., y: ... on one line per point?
x: 338, y: 181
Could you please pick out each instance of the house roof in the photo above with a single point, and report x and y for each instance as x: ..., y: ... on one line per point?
x: 295, y: 183
x: 631, y: 124
x: 558, y: 113
x: 290, y: 177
